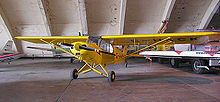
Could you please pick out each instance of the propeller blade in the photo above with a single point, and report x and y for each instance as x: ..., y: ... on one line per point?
x: 87, y: 48
x: 92, y: 49
x: 66, y: 44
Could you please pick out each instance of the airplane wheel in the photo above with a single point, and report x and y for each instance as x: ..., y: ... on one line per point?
x: 174, y: 62
x: 73, y: 74
x: 111, y: 76
x: 71, y: 60
x: 160, y: 61
x: 126, y: 63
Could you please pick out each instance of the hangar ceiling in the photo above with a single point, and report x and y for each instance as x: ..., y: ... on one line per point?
x: 100, y: 17
x: 143, y: 16
x: 187, y: 15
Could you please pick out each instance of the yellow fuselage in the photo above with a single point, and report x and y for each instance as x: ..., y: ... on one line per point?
x: 96, y: 57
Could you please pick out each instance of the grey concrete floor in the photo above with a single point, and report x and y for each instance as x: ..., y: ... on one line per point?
x: 44, y: 80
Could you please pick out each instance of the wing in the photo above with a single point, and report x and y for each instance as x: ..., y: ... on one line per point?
x: 177, y: 38
x: 53, y: 39
x: 141, y: 39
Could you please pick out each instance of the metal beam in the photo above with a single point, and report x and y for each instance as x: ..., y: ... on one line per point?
x: 43, y: 5
x: 7, y: 26
x: 83, y: 19
x: 168, y: 9
x: 213, y: 7
x: 122, y: 15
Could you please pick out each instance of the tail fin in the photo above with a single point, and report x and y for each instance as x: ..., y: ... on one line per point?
x: 125, y: 50
x: 8, y: 46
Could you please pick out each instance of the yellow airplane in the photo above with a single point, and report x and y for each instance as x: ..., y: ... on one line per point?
x: 100, y: 51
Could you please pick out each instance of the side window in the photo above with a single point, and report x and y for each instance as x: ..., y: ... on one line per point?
x: 103, y: 45
x: 106, y: 46
x: 111, y: 49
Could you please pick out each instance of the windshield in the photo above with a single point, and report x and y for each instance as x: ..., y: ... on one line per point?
x: 94, y: 39
x: 101, y: 43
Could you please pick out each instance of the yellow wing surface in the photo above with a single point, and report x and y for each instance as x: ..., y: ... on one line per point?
x: 137, y: 39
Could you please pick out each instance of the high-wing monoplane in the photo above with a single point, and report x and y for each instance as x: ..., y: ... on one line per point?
x: 99, y: 51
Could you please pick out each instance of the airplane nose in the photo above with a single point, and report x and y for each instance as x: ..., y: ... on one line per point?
x: 76, y: 46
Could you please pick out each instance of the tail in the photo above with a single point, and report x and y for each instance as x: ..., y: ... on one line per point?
x: 8, y: 46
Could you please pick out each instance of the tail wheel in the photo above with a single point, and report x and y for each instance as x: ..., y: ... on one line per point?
x: 160, y: 60
x: 73, y: 74
x: 174, y: 62
x: 71, y: 60
x: 111, y: 76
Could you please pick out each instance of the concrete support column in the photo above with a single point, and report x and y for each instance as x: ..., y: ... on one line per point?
x: 43, y: 5
x: 7, y: 26
x: 82, y: 10
x: 214, y: 5
x: 168, y: 10
x: 122, y: 15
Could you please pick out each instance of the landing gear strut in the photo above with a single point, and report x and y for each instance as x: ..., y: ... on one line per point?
x: 88, y: 68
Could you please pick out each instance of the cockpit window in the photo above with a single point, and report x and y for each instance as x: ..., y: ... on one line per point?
x: 106, y: 46
x: 101, y: 43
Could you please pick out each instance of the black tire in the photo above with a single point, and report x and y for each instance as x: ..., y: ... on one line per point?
x: 73, y: 74
x: 126, y: 64
x: 174, y: 63
x: 160, y: 60
x: 71, y: 60
x: 111, y: 76
x: 196, y: 63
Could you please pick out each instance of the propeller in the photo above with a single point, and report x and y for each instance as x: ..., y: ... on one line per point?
x: 66, y: 44
x: 96, y: 50
x: 78, y: 46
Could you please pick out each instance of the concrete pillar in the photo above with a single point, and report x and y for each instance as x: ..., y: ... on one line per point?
x: 209, y: 14
x: 122, y: 15
x: 82, y: 10
x: 7, y: 26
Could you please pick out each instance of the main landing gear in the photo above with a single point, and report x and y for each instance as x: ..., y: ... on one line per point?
x: 73, y: 74
x: 87, y: 68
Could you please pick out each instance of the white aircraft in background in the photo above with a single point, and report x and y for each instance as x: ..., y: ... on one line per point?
x: 7, y: 55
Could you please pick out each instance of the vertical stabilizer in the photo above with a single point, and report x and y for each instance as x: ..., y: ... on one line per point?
x: 8, y: 46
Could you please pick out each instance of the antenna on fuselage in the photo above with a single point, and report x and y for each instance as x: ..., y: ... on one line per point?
x: 80, y: 34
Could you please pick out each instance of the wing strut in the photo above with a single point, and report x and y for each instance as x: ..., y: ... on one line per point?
x: 92, y: 68
x: 52, y: 44
x: 156, y: 43
x: 152, y: 45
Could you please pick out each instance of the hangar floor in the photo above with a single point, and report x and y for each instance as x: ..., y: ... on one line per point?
x: 44, y: 80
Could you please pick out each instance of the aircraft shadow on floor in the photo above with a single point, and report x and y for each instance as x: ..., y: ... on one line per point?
x: 158, y: 79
